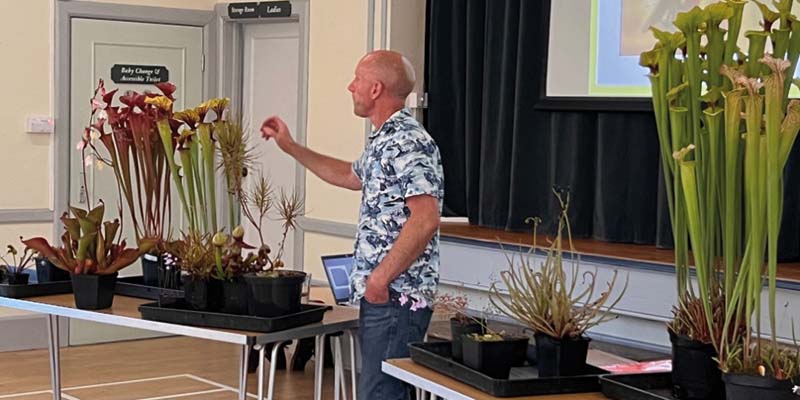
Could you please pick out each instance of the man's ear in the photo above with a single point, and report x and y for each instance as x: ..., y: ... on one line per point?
x: 377, y: 89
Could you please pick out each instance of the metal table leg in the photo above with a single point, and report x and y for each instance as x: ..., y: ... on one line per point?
x: 339, y: 383
x: 261, y: 361
x: 319, y: 365
x: 244, y: 357
x: 273, y: 362
x: 352, y: 362
x: 55, y: 360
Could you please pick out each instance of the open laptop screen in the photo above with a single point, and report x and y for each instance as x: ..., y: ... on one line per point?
x: 337, y: 268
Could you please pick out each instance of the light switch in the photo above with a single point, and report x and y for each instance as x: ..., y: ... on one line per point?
x: 39, y: 124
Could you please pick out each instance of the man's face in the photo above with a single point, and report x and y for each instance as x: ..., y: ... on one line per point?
x: 363, y: 90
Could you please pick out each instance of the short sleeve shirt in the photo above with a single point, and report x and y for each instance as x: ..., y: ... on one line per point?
x: 400, y: 160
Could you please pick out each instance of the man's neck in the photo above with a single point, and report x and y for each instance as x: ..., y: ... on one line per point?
x: 380, y: 117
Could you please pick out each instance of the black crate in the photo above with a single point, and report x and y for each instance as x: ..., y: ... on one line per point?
x: 133, y: 286
x: 178, y: 313
x: 35, y: 289
x: 655, y: 386
x: 523, y: 381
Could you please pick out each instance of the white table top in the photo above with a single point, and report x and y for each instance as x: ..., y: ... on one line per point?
x: 125, y: 312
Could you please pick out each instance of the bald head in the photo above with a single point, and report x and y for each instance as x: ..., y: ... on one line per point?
x: 393, y: 70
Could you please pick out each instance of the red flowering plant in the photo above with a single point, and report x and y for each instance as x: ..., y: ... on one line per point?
x: 132, y: 148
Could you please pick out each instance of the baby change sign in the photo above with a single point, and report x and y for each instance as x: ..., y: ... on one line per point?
x: 139, y: 74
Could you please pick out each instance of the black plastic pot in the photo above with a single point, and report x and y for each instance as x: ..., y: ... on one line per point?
x: 93, y: 292
x: 17, y: 279
x: 150, y: 269
x: 274, y: 296
x: 695, y: 374
x: 561, y: 357
x: 203, y: 295
x: 458, y: 329
x: 47, y: 272
x: 492, y: 358
x: 234, y: 297
x: 749, y: 387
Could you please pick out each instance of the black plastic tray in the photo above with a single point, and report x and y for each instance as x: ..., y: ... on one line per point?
x: 523, y: 381
x: 177, y: 313
x: 35, y: 289
x: 133, y: 286
x: 655, y: 386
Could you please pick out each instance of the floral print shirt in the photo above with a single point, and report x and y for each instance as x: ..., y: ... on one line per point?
x: 400, y: 160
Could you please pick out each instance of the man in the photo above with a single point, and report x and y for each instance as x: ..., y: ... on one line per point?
x: 397, y: 245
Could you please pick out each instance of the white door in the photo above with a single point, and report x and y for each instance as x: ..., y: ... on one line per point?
x: 97, y: 45
x: 270, y: 87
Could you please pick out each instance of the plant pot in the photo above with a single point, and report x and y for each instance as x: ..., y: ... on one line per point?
x: 273, y: 296
x: 150, y: 269
x: 695, y: 374
x: 748, y: 387
x: 17, y: 279
x: 561, y: 357
x: 203, y: 295
x: 492, y: 358
x: 457, y: 332
x: 234, y: 296
x: 47, y: 272
x: 93, y: 292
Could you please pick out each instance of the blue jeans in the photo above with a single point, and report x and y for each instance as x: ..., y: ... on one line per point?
x: 385, y: 330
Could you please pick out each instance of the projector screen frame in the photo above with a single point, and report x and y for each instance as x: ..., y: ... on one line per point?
x: 578, y: 103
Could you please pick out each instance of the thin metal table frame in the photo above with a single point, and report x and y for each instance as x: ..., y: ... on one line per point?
x: 246, y: 340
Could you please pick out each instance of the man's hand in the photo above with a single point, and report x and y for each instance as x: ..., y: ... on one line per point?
x: 275, y: 128
x: 377, y: 292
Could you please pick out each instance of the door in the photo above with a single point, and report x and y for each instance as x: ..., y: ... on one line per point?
x: 270, y: 87
x: 97, y: 45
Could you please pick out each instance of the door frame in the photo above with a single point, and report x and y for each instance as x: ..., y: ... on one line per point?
x: 65, y: 12
x: 231, y: 77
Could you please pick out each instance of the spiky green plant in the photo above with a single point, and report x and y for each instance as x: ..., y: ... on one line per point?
x: 547, y: 300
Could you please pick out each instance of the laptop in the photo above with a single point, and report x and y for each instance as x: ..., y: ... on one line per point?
x: 337, y: 268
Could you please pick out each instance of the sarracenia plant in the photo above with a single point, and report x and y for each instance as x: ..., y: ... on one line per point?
x: 90, y: 245
x: 547, y: 300
x: 134, y: 152
x: 726, y: 127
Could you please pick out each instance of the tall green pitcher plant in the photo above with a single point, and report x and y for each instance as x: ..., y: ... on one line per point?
x: 726, y: 126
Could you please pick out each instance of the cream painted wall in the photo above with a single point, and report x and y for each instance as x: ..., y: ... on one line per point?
x: 187, y: 4
x: 25, y: 51
x: 338, y: 31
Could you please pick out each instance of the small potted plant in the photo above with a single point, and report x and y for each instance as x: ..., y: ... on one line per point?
x: 231, y: 265
x: 15, y: 266
x: 93, y: 252
x: 461, y: 323
x: 195, y: 256
x: 273, y: 291
x: 556, y: 307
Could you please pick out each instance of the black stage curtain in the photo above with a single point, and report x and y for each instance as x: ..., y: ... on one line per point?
x: 502, y: 156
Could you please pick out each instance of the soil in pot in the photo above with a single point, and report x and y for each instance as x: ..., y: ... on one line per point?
x: 492, y: 357
x: 695, y: 374
x: 274, y: 295
x: 47, y: 272
x: 93, y: 292
x: 749, y: 387
x: 234, y: 296
x: 17, y: 278
x: 150, y: 269
x: 203, y: 295
x: 561, y: 357
x: 460, y: 327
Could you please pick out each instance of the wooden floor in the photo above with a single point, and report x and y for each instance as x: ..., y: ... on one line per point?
x: 172, y: 368
x: 649, y: 253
